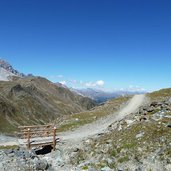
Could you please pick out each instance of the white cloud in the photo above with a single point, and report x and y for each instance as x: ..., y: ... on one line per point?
x: 76, y: 83
x: 90, y: 84
x: 63, y: 82
x: 100, y: 83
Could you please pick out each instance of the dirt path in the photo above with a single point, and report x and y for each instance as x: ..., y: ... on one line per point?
x: 8, y: 141
x: 100, y: 125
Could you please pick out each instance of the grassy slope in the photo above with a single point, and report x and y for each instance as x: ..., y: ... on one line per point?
x: 160, y: 95
x: 78, y: 119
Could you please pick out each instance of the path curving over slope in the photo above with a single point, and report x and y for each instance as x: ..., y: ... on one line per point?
x: 100, y: 125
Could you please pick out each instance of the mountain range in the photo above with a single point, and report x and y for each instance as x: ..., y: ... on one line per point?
x: 101, y: 96
x: 7, y: 73
x: 28, y: 100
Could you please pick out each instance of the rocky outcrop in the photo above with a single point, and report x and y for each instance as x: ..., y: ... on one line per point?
x: 21, y: 159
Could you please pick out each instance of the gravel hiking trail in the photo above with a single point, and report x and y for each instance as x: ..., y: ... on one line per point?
x: 100, y: 125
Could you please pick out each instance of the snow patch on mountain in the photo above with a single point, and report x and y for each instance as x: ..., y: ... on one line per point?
x: 5, y: 75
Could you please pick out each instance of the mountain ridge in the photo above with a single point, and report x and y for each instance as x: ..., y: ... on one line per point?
x: 36, y: 100
x: 7, y: 71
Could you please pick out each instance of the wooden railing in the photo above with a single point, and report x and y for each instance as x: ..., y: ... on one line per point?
x: 38, y: 135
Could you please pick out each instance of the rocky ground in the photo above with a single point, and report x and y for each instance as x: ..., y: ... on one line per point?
x: 138, y: 141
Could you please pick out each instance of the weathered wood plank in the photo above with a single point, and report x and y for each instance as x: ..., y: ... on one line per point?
x: 38, y: 135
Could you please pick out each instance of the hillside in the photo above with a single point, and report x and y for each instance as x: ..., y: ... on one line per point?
x: 160, y: 95
x: 140, y: 141
x: 35, y: 100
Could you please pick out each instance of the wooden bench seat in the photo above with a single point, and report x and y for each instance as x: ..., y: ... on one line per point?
x: 37, y: 135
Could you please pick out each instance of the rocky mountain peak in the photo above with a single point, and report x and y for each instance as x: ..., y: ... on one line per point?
x: 6, y: 70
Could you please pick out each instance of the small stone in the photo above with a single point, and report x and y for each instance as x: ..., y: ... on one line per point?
x: 109, y: 161
x: 129, y: 122
x: 140, y: 149
x: 119, y: 128
x: 169, y: 125
x: 92, y: 169
x: 150, y: 109
x: 76, y: 119
x: 108, y: 141
x: 76, y: 149
x: 153, y: 104
x: 105, y: 169
x: 41, y: 165
x: 138, y: 169
x: 95, y: 117
x: 120, y: 169
x: 10, y: 151
x: 168, y: 167
x: 88, y: 141
x: 140, y: 135
x: 11, y: 155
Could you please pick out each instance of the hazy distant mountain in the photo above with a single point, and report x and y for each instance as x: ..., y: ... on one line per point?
x: 101, y: 96
x: 7, y: 71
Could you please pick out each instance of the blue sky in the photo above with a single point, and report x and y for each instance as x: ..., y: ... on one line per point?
x: 89, y: 43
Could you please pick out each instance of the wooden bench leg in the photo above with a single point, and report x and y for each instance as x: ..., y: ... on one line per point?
x: 28, y: 139
x: 54, y: 138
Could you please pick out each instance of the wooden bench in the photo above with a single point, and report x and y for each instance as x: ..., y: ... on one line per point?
x: 37, y: 135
